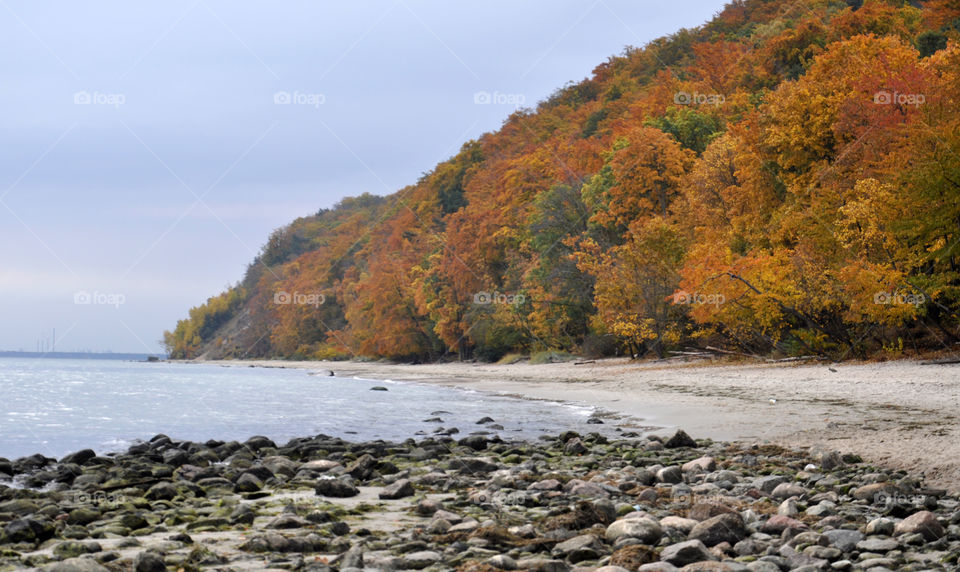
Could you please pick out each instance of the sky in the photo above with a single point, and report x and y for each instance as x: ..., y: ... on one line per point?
x: 148, y: 150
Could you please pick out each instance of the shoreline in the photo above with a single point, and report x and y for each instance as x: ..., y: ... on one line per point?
x: 897, y: 414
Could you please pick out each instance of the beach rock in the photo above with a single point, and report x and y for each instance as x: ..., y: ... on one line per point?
x: 787, y: 490
x: 777, y: 523
x: 671, y: 474
x: 704, y: 510
x: 575, y: 447
x: 684, y: 525
x: 539, y: 564
x: 149, y: 562
x: 162, y: 491
x: 336, y: 488
x: 80, y: 457
x: 880, y: 526
x: 248, y: 483
x: 475, y: 442
x: 362, y: 468
x: 578, y: 548
x: 658, y: 567
x: 27, y: 530
x: 398, y: 490
x: 844, y: 540
x: 768, y: 483
x: 680, y: 439
x: 472, y: 465
x: 646, y: 530
x: 687, y: 552
x: 421, y: 559
x: 502, y: 562
x: 877, y: 493
x: 320, y: 465
x: 700, y: 465
x: 721, y: 528
x: 923, y: 522
x: 877, y: 544
x: 75, y: 565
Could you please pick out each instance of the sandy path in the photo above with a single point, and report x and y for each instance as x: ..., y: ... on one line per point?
x: 899, y: 414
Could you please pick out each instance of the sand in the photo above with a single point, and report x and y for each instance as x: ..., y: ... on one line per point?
x: 899, y: 414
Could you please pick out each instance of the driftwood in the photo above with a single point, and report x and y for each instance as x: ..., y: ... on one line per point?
x: 943, y: 361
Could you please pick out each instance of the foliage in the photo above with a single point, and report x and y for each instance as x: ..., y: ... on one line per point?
x: 784, y: 179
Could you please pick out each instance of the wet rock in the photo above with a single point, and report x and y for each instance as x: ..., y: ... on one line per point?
x: 687, y: 552
x: 398, y: 490
x: 575, y: 447
x: 149, y: 562
x: 162, y: 491
x: 27, y: 530
x: 80, y: 457
x: 248, y: 483
x: 680, y: 439
x: 336, y: 488
x: 721, y: 528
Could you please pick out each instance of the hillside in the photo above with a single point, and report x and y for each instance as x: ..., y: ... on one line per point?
x: 783, y: 180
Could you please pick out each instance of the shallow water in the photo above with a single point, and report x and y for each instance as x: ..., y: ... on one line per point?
x: 54, y: 406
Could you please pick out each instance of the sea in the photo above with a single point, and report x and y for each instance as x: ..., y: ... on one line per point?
x: 57, y: 406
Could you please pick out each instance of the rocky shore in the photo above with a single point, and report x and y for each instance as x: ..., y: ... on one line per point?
x: 571, y: 502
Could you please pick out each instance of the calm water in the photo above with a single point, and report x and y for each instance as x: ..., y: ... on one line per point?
x: 54, y: 406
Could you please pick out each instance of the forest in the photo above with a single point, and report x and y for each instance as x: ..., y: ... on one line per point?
x: 781, y: 181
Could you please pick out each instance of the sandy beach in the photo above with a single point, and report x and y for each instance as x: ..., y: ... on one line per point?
x: 898, y: 414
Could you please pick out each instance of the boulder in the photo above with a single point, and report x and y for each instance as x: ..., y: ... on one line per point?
x: 721, y: 528
x: 687, y: 552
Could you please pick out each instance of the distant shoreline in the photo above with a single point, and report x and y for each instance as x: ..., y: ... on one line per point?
x: 899, y: 414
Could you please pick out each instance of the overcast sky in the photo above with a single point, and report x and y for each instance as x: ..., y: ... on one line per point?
x: 147, y: 150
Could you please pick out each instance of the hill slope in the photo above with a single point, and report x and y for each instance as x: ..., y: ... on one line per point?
x: 785, y: 179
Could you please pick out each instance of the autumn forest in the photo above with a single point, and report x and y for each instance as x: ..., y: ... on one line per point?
x: 781, y: 181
